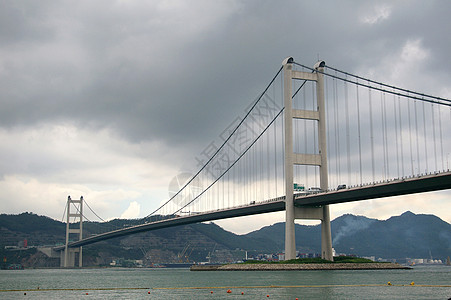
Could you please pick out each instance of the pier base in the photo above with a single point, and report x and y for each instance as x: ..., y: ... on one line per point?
x: 68, y: 258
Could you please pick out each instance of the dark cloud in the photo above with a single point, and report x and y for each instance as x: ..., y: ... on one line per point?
x: 146, y: 86
x: 155, y: 72
x: 24, y: 22
x: 181, y: 74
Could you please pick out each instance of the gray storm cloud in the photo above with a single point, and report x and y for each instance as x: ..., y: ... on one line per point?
x: 143, y: 87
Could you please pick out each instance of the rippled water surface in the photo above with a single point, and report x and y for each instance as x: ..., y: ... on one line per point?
x: 430, y: 282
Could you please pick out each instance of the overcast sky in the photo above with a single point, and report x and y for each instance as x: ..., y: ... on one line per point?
x: 112, y: 99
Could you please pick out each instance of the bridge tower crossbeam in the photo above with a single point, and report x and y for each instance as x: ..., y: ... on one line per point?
x: 292, y: 159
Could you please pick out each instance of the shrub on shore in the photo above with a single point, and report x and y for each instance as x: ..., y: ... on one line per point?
x: 315, y: 260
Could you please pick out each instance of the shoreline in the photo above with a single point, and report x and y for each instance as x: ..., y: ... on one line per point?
x: 301, y: 267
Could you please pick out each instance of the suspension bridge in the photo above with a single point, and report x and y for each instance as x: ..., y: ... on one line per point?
x: 314, y: 137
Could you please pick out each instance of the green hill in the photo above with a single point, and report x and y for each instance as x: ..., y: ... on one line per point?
x: 407, y: 235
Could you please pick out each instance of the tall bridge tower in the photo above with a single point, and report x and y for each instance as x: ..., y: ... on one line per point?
x: 292, y: 159
x: 68, y: 254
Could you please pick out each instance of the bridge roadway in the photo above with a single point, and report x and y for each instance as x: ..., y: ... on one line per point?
x: 405, y: 186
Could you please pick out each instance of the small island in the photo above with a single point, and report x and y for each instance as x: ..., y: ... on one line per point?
x: 339, y: 263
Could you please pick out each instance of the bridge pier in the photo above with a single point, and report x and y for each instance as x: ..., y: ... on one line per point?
x: 317, y: 213
x: 291, y: 159
x: 67, y: 257
x: 326, y: 235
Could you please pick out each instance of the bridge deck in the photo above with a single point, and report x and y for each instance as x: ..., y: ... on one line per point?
x: 427, y: 183
x: 258, y: 208
x: 405, y: 186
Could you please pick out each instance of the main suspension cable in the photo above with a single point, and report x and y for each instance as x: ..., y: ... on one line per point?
x: 390, y: 86
x: 221, y: 147
x: 238, y: 159
x: 93, y: 211
x: 436, y: 101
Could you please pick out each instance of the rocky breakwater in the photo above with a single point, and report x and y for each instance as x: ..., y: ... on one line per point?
x: 285, y: 267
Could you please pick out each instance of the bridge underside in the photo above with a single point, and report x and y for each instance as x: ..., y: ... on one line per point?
x: 434, y: 182
x: 427, y: 183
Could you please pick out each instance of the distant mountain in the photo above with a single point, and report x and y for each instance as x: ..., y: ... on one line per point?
x: 190, y: 243
x: 308, y: 238
x: 347, y: 225
x: 407, y: 235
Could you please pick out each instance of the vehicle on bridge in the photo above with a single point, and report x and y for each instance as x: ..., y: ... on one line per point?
x: 341, y: 187
x: 313, y: 190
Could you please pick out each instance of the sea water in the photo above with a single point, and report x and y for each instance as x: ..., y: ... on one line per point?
x: 421, y: 282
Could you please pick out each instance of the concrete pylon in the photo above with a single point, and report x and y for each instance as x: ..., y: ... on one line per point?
x: 291, y: 158
x: 290, y: 242
x: 68, y: 254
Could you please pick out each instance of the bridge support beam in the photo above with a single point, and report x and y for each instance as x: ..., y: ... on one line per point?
x: 292, y: 158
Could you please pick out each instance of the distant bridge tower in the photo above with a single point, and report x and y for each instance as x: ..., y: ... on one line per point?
x: 291, y: 159
x: 68, y: 255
